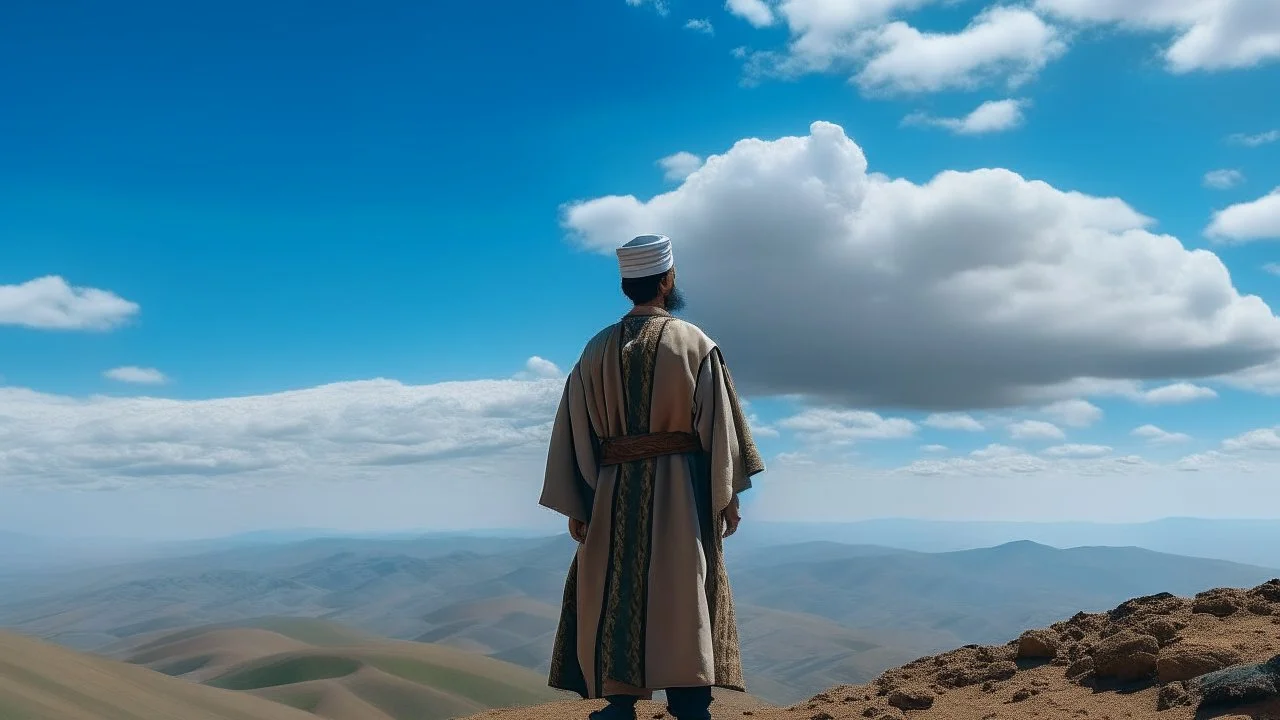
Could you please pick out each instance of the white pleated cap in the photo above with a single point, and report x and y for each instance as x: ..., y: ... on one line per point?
x: 645, y: 255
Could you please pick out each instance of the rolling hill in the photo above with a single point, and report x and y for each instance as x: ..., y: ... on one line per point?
x: 856, y: 609
x: 331, y: 671
x: 41, y: 681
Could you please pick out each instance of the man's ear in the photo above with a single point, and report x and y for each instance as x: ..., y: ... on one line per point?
x: 668, y: 281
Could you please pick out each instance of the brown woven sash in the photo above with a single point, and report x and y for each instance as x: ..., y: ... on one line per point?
x: 628, y: 448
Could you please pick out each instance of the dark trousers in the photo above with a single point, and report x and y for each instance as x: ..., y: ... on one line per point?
x: 688, y: 703
x: 691, y: 703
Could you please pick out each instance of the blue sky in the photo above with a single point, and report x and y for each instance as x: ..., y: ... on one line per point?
x: 239, y: 200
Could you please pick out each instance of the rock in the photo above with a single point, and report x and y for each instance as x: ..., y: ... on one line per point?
x: 1219, y: 602
x: 1239, y: 685
x: 1023, y: 694
x: 1002, y: 670
x: 1269, y: 591
x: 1173, y: 695
x: 1159, y: 604
x: 1183, y: 662
x: 1126, y: 655
x: 1258, y: 606
x: 911, y: 699
x: 1075, y: 633
x: 1163, y: 629
x: 1080, y: 667
x: 1037, y: 644
x: 996, y: 653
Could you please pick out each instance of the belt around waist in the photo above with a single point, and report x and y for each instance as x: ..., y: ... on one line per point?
x: 629, y: 448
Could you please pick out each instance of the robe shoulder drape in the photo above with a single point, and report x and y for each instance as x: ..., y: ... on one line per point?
x: 647, y: 603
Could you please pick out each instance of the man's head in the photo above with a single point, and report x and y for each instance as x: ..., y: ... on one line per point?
x: 648, y: 272
x: 658, y: 290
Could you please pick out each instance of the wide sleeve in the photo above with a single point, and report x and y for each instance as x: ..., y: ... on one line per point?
x: 722, y: 427
x: 571, y: 457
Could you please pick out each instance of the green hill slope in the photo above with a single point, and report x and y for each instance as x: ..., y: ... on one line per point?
x: 361, y: 678
x: 40, y: 681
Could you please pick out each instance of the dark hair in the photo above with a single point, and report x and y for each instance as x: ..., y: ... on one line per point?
x: 643, y: 289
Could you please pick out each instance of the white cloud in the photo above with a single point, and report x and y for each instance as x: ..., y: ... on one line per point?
x: 1011, y: 280
x: 343, y: 431
x: 1198, y: 461
x: 1073, y: 413
x: 50, y: 303
x: 756, y: 12
x: 1223, y: 179
x: 1263, y: 378
x: 133, y: 374
x: 989, y: 117
x: 1004, y: 461
x: 537, y: 368
x: 1272, y: 268
x: 660, y: 6
x: 1174, y: 393
x: 1001, y: 44
x: 1254, y: 140
x: 933, y: 448
x: 1255, y: 220
x: 701, y: 25
x: 830, y: 426
x: 1080, y: 451
x: 679, y: 166
x: 1261, y: 439
x: 1209, y: 34
x: 953, y: 421
x: 1153, y: 434
x: 996, y: 450
x: 1035, y: 430
x: 1006, y: 45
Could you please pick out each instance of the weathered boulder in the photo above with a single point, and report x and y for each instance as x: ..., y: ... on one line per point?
x: 1219, y: 602
x: 1126, y: 655
x: 1173, y: 695
x: 911, y: 698
x: 1239, y: 685
x: 1038, y: 644
x: 1163, y: 629
x: 1269, y: 591
x: 1185, y: 661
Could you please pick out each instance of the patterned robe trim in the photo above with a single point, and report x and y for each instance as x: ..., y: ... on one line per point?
x: 752, y: 463
x: 621, y: 645
x: 566, y: 673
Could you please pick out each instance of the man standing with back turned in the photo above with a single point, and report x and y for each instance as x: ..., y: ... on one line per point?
x: 649, y: 452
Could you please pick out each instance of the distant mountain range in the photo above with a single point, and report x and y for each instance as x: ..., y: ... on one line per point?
x: 1253, y: 542
x: 811, y: 613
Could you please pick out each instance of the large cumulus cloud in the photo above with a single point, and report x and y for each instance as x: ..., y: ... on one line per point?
x: 975, y: 289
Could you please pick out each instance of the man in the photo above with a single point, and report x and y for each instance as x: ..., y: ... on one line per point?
x: 648, y: 454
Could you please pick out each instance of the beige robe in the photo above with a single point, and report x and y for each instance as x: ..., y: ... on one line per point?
x: 647, y: 604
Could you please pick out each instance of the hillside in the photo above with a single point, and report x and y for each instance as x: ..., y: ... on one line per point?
x: 1215, y: 655
x: 336, y: 673
x: 41, y: 681
x: 819, y: 612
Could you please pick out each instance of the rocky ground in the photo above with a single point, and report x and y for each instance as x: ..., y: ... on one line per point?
x: 1216, y: 655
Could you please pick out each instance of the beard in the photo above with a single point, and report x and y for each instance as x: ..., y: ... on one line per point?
x: 674, y: 302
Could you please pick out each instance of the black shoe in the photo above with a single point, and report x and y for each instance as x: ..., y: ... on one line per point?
x: 620, y: 707
x: 689, y: 703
